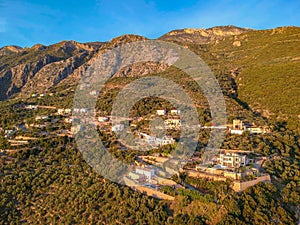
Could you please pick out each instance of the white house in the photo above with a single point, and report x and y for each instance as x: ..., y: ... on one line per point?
x: 233, y: 131
x: 233, y: 160
x: 60, y: 111
x: 83, y: 110
x: 31, y: 107
x: 255, y: 130
x: 103, y: 118
x: 94, y: 93
x: 155, y: 141
x: 161, y: 112
x: 237, y: 127
x: 68, y: 120
x: 165, y: 141
x: 147, y: 171
x: 76, y: 110
x: 137, y: 176
x: 68, y: 111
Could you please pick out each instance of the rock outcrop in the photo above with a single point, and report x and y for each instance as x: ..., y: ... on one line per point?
x: 40, y: 67
x: 203, y: 36
x: 8, y: 50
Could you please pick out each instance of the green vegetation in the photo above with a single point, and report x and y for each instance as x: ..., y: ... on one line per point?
x: 48, y: 181
x: 273, y: 86
x: 267, y: 70
x: 53, y: 184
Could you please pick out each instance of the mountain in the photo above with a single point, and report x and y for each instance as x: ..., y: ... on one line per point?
x: 8, y: 50
x: 258, y: 68
x: 46, y: 180
x: 266, y: 67
x: 203, y: 36
x: 40, y: 67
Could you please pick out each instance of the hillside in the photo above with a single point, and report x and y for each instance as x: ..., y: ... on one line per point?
x: 266, y: 68
x: 38, y: 68
x: 45, y: 178
x: 259, y: 68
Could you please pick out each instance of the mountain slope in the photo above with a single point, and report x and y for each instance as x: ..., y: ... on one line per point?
x: 8, y: 50
x: 259, y: 69
x: 40, y: 67
x: 268, y: 72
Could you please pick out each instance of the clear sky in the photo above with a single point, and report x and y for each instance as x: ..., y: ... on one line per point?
x: 27, y: 22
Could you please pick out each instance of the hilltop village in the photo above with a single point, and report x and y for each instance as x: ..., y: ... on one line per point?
x: 243, y: 168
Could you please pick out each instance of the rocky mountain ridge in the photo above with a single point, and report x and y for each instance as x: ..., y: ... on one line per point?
x: 36, y: 69
x: 255, y: 54
x: 203, y: 36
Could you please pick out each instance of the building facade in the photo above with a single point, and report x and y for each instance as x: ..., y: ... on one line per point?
x: 232, y: 160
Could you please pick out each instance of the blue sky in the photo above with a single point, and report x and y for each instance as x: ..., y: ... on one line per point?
x: 28, y: 22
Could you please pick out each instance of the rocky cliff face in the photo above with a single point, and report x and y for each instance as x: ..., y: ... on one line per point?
x: 203, y: 36
x: 39, y: 68
x: 8, y: 50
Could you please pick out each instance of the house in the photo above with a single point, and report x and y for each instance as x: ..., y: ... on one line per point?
x: 31, y: 107
x: 240, y: 132
x: 68, y: 120
x: 147, y: 171
x: 94, y: 93
x: 155, y: 141
x: 255, y: 130
x: 165, y: 141
x: 60, y: 111
x: 237, y: 125
x: 103, y: 119
x: 233, y: 160
x: 83, y: 110
x: 137, y: 177
x: 76, y: 110
x: 175, y: 112
x: 238, y: 128
x: 149, y: 139
x: 118, y: 127
x: 68, y: 111
x: 161, y: 112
